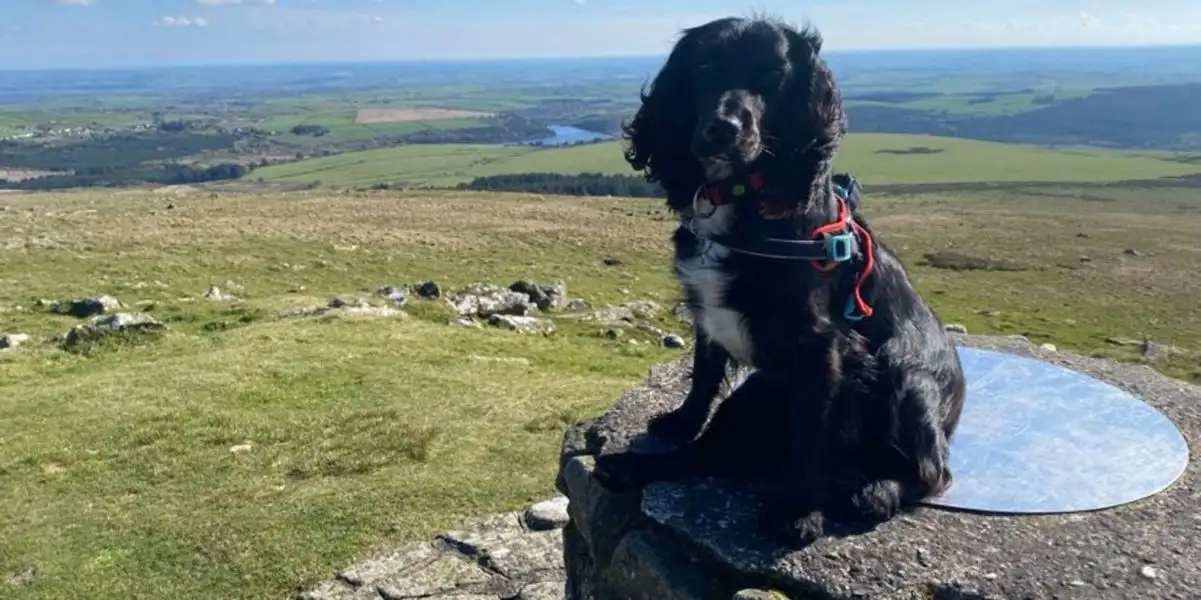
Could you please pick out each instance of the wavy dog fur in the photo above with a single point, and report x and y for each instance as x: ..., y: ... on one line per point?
x: 840, y: 418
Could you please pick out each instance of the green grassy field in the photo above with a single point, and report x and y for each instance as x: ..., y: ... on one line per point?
x: 876, y: 158
x: 243, y: 455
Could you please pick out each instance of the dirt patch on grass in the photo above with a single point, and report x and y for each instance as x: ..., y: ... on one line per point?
x: 398, y: 115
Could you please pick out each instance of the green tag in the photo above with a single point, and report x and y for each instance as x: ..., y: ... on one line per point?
x: 739, y: 189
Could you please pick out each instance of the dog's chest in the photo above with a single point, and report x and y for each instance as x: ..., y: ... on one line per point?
x: 707, y: 284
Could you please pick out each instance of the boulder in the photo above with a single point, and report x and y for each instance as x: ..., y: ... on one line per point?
x: 696, y: 541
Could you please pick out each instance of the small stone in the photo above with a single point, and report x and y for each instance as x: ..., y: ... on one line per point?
x: 991, y: 576
x: 672, y: 340
x: 1049, y: 347
x: 612, y: 262
x: 393, y: 293
x: 522, y: 324
x: 758, y: 595
x: 1076, y: 583
x: 1149, y: 572
x: 429, y: 290
x: 240, y: 448
x: 1132, y: 252
x: 215, y: 294
x: 548, y: 514
x: 12, y: 341
x: 344, y: 302
x: 23, y: 578
x: 612, y: 333
x: 955, y: 328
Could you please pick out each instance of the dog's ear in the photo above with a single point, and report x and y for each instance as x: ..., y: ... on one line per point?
x: 660, y: 132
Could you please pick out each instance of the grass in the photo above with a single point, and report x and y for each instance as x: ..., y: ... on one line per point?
x: 875, y: 158
x: 242, y: 455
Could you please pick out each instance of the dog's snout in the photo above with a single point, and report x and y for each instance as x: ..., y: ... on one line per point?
x: 723, y: 130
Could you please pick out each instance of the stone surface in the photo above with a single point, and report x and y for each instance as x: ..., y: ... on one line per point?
x: 492, y: 558
x: 104, y: 325
x: 522, y: 324
x: 12, y: 341
x: 697, y: 539
x: 485, y: 299
x: 85, y: 307
x: 548, y: 514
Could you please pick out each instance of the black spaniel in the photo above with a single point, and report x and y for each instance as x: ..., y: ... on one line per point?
x: 856, y: 388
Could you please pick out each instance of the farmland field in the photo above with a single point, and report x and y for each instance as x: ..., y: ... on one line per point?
x: 876, y: 158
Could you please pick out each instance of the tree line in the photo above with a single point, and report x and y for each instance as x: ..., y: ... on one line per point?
x: 580, y: 184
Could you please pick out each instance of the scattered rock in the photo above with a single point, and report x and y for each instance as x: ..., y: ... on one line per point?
x: 672, y: 340
x: 988, y: 312
x: 465, y: 322
x: 1132, y: 252
x: 429, y: 290
x: 576, y: 304
x: 612, y: 261
x: 612, y: 333
x: 1149, y: 572
x: 393, y: 293
x: 23, y: 578
x: 12, y: 341
x: 643, y: 309
x: 1049, y: 347
x: 955, y: 328
x: 104, y: 325
x: 626, y: 313
x: 546, y: 515
x: 305, y: 311
x: 759, y: 595
x: 1153, y: 350
x: 1084, y: 258
x: 485, y: 299
x: 546, y: 296
x: 681, y: 312
x: 214, y: 293
x: 522, y: 324
x: 1081, y: 235
x: 241, y: 448
x: 231, y: 285
x: 83, y: 308
x: 347, y: 306
x: 347, y: 302
x: 492, y: 558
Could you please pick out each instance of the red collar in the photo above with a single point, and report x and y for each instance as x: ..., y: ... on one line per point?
x: 724, y: 192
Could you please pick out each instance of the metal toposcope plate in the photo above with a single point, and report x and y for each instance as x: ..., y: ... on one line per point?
x: 1038, y: 438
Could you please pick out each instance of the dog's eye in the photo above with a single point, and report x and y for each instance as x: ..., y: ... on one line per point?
x: 773, y: 79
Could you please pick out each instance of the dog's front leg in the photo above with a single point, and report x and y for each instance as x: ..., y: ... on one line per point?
x: 709, y: 362
x: 801, y: 482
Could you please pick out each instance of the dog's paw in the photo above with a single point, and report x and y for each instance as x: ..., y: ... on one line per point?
x: 619, y: 472
x: 875, y: 502
x: 677, y: 425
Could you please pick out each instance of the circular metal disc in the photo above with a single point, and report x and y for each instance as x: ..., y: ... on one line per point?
x: 1035, y: 437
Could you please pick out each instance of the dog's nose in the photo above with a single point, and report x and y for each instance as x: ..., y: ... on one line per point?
x: 722, y: 130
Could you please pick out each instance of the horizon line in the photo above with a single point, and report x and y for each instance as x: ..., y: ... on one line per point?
x: 577, y: 57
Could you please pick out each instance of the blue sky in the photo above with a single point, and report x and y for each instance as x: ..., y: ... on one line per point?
x: 38, y: 33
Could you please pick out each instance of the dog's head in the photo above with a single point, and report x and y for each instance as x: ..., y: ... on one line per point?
x: 737, y: 96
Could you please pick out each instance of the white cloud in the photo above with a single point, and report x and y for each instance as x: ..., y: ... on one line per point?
x: 232, y: 2
x: 170, y: 21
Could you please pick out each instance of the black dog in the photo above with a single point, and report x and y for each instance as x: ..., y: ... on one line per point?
x: 856, y: 389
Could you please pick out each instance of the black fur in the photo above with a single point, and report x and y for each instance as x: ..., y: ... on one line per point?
x: 846, y: 419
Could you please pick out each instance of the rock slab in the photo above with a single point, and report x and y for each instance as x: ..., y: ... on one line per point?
x: 495, y: 558
x: 696, y: 541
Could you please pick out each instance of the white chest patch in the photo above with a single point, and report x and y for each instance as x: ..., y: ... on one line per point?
x: 719, y: 323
